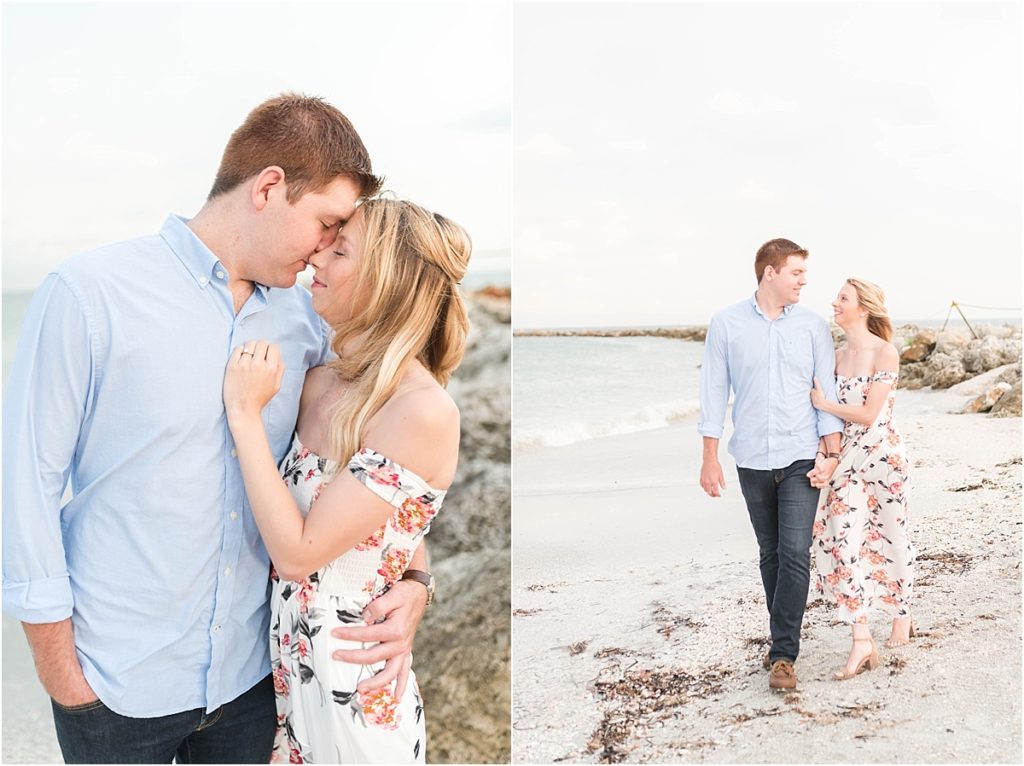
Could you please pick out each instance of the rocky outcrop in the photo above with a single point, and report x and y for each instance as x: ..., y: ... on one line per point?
x: 943, y: 371
x: 986, y: 368
x: 463, y: 646
x: 990, y: 353
x: 964, y: 363
x: 464, y: 667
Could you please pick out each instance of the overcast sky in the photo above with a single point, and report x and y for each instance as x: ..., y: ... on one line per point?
x: 658, y: 145
x: 116, y: 114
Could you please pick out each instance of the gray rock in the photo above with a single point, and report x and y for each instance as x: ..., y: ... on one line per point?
x: 912, y: 376
x: 984, y: 402
x: 463, y: 645
x: 477, y: 511
x: 486, y: 418
x: 943, y: 371
x: 489, y: 344
x: 990, y: 352
x: 1008, y: 405
x: 950, y: 342
x: 463, y: 660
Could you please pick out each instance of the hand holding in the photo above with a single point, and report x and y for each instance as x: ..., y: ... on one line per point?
x: 821, y: 474
x: 252, y: 378
x: 392, y: 620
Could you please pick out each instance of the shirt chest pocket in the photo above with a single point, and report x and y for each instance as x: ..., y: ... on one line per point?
x: 281, y: 412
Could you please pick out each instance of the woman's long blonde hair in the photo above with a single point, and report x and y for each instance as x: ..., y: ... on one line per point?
x: 871, y: 298
x: 408, y: 307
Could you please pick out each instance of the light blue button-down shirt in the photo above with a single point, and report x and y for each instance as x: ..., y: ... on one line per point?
x: 770, y: 366
x: 116, y: 383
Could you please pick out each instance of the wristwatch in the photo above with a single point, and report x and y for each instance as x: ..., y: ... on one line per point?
x: 423, y: 578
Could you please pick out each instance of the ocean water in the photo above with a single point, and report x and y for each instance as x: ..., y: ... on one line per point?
x: 569, y: 389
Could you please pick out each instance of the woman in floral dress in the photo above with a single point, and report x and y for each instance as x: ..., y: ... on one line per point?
x: 862, y: 550
x: 375, y: 447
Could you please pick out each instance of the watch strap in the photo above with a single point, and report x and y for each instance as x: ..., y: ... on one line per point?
x: 423, y: 578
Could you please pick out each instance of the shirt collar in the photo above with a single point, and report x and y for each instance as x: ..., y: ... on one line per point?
x: 195, y: 256
x: 757, y: 308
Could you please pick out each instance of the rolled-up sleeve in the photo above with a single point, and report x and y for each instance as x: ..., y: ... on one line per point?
x: 47, y: 396
x: 825, y: 372
x: 714, y: 381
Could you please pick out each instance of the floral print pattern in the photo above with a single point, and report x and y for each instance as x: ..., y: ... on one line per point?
x: 373, y: 541
x: 394, y: 562
x: 862, y: 549
x: 380, y: 708
x: 321, y: 717
x: 412, y: 516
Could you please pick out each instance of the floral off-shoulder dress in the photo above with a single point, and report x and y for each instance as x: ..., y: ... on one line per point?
x: 862, y: 549
x: 321, y: 718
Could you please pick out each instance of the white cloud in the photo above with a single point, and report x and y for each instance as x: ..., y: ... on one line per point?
x: 543, y: 145
x: 533, y: 246
x: 740, y: 104
x: 753, y: 190
x: 629, y: 146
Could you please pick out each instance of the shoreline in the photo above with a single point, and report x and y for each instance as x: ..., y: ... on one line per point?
x: 640, y: 622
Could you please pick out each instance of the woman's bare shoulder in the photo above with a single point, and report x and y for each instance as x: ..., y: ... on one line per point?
x: 428, y: 408
x: 887, y: 357
x: 418, y: 428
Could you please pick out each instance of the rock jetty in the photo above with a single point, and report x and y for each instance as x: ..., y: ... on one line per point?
x: 985, y: 366
x: 696, y: 333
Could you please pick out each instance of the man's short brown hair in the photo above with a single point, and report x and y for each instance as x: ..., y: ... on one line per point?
x: 774, y: 253
x: 309, y: 139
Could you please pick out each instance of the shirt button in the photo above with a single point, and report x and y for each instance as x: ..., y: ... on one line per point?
x: 227, y: 571
x: 216, y: 628
x: 234, y: 452
x: 234, y: 515
x: 203, y: 280
x: 220, y: 275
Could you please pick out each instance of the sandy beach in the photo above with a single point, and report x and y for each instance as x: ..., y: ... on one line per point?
x: 639, y: 618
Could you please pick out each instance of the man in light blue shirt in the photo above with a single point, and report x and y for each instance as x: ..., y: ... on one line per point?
x: 145, y: 597
x: 768, y: 351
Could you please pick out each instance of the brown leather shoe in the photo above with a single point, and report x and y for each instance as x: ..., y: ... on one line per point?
x: 783, y: 676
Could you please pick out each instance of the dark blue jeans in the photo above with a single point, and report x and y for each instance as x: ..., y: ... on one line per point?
x: 782, y: 505
x: 242, y: 731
